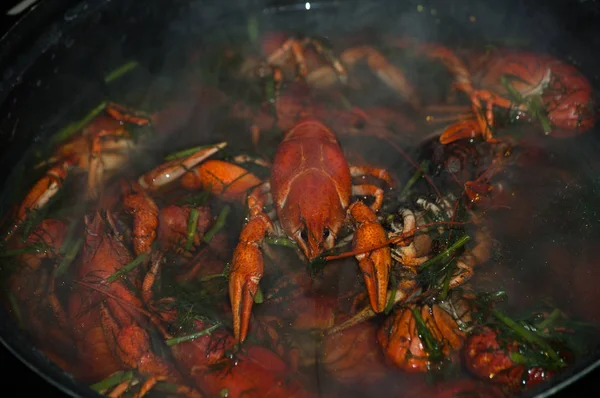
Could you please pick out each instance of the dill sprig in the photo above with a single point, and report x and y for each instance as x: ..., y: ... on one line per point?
x: 127, y: 268
x: 531, y: 337
x: 534, y: 104
x: 218, y: 225
x: 69, y: 130
x: 539, y: 339
x: 112, y: 381
x: 416, y: 176
x: 120, y: 71
x: 36, y: 247
x: 71, y: 252
x: 281, y: 241
x: 186, y: 152
x: 189, y: 337
x: 430, y: 343
x: 191, y: 228
x: 431, y: 270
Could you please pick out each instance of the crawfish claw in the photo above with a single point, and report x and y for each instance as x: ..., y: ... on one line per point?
x: 374, y: 264
x: 246, y: 271
x: 242, y: 289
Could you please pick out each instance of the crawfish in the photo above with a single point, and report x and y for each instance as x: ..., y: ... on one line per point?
x: 33, y: 287
x: 415, y: 338
x: 532, y: 85
x: 488, y: 358
x: 311, y: 187
x: 111, y: 332
x: 211, y: 360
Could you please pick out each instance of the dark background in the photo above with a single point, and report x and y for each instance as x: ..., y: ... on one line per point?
x: 18, y: 377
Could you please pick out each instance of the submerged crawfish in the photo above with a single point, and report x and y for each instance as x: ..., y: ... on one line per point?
x: 532, y: 85
x: 535, y: 86
x: 311, y: 187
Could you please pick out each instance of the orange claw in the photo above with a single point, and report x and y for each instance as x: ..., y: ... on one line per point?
x: 375, y: 265
x: 246, y: 271
x: 225, y: 180
x: 174, y: 169
x: 123, y: 114
x: 40, y: 194
x: 460, y: 130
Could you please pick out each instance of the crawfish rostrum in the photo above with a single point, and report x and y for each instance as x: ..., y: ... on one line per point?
x: 241, y: 266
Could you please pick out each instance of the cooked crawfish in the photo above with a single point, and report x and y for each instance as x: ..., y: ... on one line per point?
x: 311, y: 187
x: 33, y: 287
x: 211, y: 359
x: 100, y: 148
x: 486, y: 358
x: 316, y: 63
x: 533, y: 85
x: 110, y: 329
x: 413, y: 337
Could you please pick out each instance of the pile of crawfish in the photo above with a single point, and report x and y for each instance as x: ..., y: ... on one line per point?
x: 139, y: 283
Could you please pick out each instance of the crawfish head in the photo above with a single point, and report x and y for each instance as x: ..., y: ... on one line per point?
x: 313, y: 213
x: 311, y: 186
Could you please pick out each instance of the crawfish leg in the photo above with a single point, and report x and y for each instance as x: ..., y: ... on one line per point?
x: 462, y: 82
x: 145, y: 220
x: 56, y: 306
x: 473, y: 257
x: 406, y: 251
x: 382, y: 174
x: 120, y: 389
x: 369, y: 190
x: 121, y: 113
x: 39, y: 195
x: 375, y: 264
x: 390, y: 75
x: 250, y: 159
x: 179, y: 389
x: 147, y: 293
x: 296, y: 48
x: 96, y: 167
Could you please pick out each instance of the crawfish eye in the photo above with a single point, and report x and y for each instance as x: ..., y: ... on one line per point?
x: 304, y: 235
x: 325, y: 234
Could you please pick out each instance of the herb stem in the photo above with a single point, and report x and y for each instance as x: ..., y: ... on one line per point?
x: 211, y: 277
x: 71, y: 253
x: 189, y: 337
x: 528, y: 335
x: 549, y: 320
x: 112, y: 381
x: 418, y: 174
x: 74, y: 127
x: 220, y: 223
x: 127, y: 268
x: 446, y: 253
x: 191, y: 231
x: 186, y: 152
x: 120, y: 71
x: 431, y: 344
x: 287, y: 242
x: 447, y: 278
